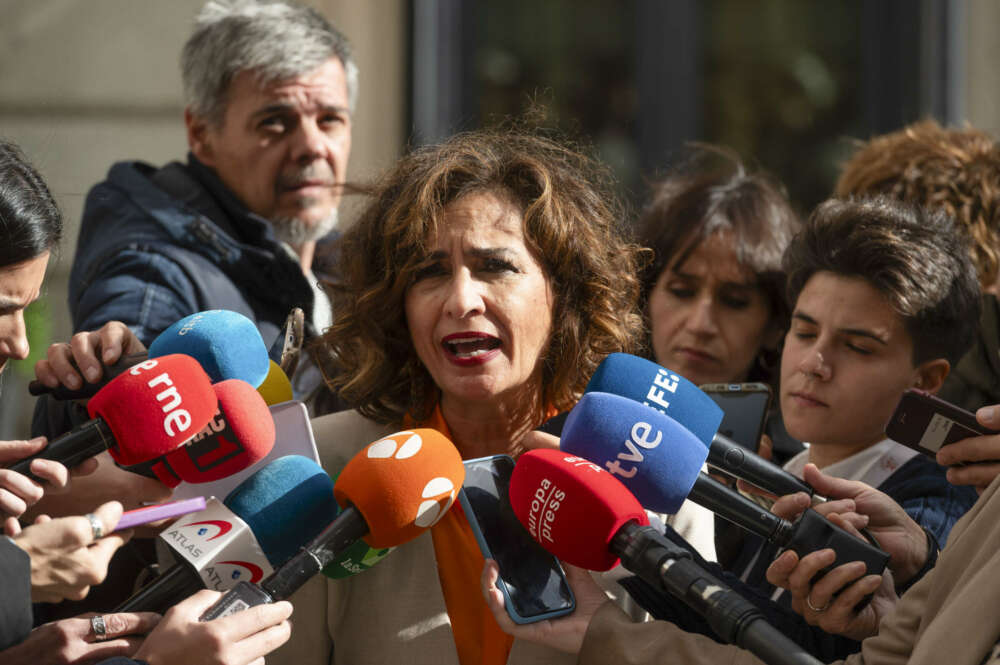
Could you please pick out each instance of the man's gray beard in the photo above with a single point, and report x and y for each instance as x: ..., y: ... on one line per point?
x: 297, y: 232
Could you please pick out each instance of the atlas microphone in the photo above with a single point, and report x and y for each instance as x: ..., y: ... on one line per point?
x: 671, y: 394
x: 659, y: 461
x: 585, y: 516
x: 260, y: 525
x: 241, y: 434
x: 141, y: 414
x: 391, y: 491
x: 226, y: 344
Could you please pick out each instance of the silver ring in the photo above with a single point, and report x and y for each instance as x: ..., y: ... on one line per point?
x: 99, y: 627
x: 95, y: 526
x: 819, y: 610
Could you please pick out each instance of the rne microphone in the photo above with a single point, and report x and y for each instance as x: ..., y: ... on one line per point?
x: 659, y: 460
x: 585, y: 516
x: 671, y: 394
x: 143, y: 413
x: 391, y: 491
x: 259, y: 526
x: 240, y: 435
x: 226, y: 344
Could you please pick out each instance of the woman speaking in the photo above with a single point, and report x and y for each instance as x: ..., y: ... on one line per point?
x: 476, y: 295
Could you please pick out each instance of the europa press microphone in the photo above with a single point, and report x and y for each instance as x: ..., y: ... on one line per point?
x: 260, y: 525
x: 671, y: 394
x: 391, y: 492
x: 240, y: 434
x: 659, y: 461
x: 585, y: 516
x: 226, y: 344
x: 143, y: 413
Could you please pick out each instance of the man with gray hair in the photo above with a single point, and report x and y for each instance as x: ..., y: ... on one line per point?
x: 270, y: 87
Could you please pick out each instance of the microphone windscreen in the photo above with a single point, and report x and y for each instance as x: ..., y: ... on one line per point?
x: 241, y: 434
x: 402, y: 484
x: 285, y: 504
x: 154, y: 407
x: 656, y: 457
x: 571, y: 506
x: 659, y: 388
x: 276, y: 388
x: 227, y: 344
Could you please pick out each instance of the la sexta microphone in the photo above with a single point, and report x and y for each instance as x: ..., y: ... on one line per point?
x: 659, y: 460
x: 261, y: 524
x: 671, y: 394
x: 585, y: 516
x: 143, y: 413
x: 240, y: 435
x: 226, y: 344
x: 391, y: 492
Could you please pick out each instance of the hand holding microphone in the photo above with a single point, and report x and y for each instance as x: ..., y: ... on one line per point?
x: 19, y: 492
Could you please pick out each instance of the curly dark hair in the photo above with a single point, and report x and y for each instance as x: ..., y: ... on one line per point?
x: 709, y: 192
x: 915, y: 257
x: 572, y: 221
x: 953, y: 170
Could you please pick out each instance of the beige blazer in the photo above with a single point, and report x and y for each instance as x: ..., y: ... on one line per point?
x: 391, y: 613
x: 950, y: 617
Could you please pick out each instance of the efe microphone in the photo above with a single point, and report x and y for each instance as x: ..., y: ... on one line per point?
x: 226, y: 344
x: 582, y: 514
x: 391, y: 492
x: 660, y: 461
x: 143, y: 413
x: 671, y: 394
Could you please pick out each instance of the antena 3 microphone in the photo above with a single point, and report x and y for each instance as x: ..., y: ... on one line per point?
x: 391, y: 492
x: 226, y: 344
x: 241, y: 434
x: 141, y: 414
x: 672, y: 395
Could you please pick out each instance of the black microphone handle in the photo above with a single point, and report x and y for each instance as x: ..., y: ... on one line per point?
x: 88, y: 390
x: 668, y: 567
x: 812, y: 532
x: 80, y: 443
x: 165, y: 591
x: 346, y: 529
x: 727, y: 455
x: 729, y: 504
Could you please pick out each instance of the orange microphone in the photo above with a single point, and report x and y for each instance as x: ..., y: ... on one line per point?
x: 391, y: 492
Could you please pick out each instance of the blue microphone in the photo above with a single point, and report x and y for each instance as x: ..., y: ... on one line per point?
x: 284, y: 505
x: 671, y: 394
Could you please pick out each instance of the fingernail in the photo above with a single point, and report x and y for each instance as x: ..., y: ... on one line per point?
x: 71, y: 380
x: 109, y: 355
x: 92, y: 374
x: 989, y: 415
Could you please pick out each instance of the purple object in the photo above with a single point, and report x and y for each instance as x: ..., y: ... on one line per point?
x: 160, y: 511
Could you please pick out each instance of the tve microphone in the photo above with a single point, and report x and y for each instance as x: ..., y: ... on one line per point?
x: 226, y: 344
x: 262, y: 523
x: 143, y: 413
x: 582, y: 514
x: 657, y: 458
x: 391, y: 492
x: 240, y: 434
x: 673, y: 395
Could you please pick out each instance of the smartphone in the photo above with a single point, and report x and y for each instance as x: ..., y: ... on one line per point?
x: 160, y: 511
x: 744, y: 406
x: 531, y: 580
x: 925, y: 422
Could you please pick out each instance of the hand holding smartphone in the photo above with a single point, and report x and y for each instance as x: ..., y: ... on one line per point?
x: 926, y: 423
x: 531, y: 580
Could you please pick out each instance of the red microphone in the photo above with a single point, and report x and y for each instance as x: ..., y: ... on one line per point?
x: 143, y: 413
x: 581, y: 513
x: 391, y: 491
x: 572, y: 507
x: 240, y: 435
